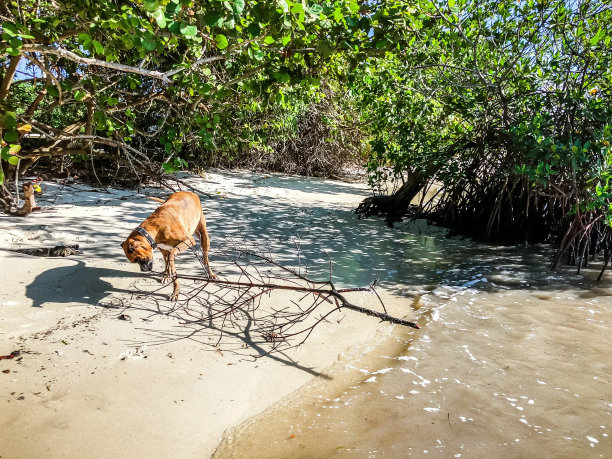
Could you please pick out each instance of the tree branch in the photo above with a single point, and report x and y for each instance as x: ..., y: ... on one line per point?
x: 95, y: 62
x: 163, y: 76
x: 8, y: 77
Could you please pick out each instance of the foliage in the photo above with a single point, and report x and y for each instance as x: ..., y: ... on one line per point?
x: 504, y: 104
x: 166, y: 80
x: 313, y: 133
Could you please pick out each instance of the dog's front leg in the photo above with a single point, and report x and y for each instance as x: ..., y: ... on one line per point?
x: 166, y: 277
x: 170, y: 274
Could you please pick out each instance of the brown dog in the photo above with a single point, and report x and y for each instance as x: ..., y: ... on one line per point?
x: 170, y: 228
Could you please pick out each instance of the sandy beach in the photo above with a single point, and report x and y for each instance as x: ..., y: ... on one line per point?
x: 86, y: 383
x: 511, y: 358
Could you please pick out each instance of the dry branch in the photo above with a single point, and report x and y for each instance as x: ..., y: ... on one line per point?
x: 324, y: 292
x: 241, y: 305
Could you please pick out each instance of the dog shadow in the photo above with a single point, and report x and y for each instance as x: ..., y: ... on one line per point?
x: 77, y: 283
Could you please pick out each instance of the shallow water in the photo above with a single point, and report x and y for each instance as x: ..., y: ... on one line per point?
x: 512, y: 360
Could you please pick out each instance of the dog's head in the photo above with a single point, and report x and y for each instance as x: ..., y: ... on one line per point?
x: 139, y: 252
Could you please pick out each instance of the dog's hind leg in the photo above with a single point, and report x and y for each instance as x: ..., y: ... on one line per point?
x: 170, y: 274
x: 205, y: 243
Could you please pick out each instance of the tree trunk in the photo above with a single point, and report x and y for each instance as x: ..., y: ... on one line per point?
x: 395, y: 205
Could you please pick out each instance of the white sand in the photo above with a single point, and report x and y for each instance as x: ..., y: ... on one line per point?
x: 70, y: 393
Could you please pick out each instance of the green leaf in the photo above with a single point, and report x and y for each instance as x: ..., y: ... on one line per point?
x: 268, y: 40
x: 83, y: 37
x: 151, y: 5
x: 172, y: 7
x: 175, y: 27
x: 316, y: 9
x: 600, y: 33
x: 169, y: 168
x: 283, y: 5
x: 237, y: 7
x: 1, y: 176
x: 381, y: 44
x: 254, y: 29
x: 258, y: 54
x: 66, y: 85
x: 324, y: 49
x: 353, y: 7
x: 11, y: 136
x: 52, y: 91
x: 189, y: 30
x: 222, y: 42
x: 16, y: 43
x: 283, y: 77
x: 160, y: 17
x: 149, y: 44
x: 13, y: 160
x: 13, y: 51
x: 9, y: 121
x: 10, y: 29
x: 128, y: 41
x: 98, y: 47
x: 451, y: 3
x: 213, y: 19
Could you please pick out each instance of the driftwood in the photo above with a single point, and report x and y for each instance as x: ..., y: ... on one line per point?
x: 241, y: 304
x: 327, y: 293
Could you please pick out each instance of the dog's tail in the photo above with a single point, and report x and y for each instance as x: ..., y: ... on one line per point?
x: 152, y: 198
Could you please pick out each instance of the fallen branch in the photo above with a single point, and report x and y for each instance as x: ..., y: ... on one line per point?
x: 241, y: 306
x: 332, y: 292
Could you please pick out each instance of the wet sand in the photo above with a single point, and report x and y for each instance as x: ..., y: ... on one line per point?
x: 512, y: 361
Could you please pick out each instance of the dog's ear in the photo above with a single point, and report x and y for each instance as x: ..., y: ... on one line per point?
x: 128, y: 248
x: 133, y: 246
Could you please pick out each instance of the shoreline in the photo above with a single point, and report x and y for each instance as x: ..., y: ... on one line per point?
x: 349, y: 371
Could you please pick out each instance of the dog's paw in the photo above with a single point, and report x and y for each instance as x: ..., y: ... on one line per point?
x: 166, y: 279
x: 173, y: 296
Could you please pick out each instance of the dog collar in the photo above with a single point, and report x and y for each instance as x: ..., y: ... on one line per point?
x: 143, y: 232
